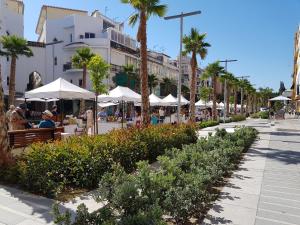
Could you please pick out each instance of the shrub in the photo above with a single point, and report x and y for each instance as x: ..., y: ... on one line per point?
x: 236, y: 118
x: 181, y: 188
x: 80, y: 162
x: 264, y: 114
x: 209, y: 123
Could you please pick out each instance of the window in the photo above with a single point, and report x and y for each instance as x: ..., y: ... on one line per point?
x: 7, y: 80
x: 89, y: 35
x: 7, y: 58
x: 55, y: 61
x: 71, y: 81
x: 81, y: 36
x: 7, y: 33
x: 71, y: 38
x: 80, y: 82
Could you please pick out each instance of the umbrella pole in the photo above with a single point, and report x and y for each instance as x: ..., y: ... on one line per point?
x: 122, y: 114
x: 96, y: 112
x: 61, y: 111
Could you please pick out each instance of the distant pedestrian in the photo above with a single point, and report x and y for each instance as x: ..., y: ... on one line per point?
x: 89, y: 121
x: 154, y: 119
x: 8, y: 116
x: 161, y: 113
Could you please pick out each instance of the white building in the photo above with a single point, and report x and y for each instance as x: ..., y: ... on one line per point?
x: 12, y: 23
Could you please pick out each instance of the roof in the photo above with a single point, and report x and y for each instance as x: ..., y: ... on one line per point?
x: 44, y: 15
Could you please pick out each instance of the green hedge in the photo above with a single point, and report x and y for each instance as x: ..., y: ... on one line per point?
x: 236, y: 118
x: 262, y: 115
x: 182, y: 188
x: 209, y: 123
x: 79, y: 162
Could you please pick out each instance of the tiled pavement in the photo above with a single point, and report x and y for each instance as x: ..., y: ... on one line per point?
x: 266, y: 188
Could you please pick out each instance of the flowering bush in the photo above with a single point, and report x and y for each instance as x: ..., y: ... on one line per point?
x: 80, y: 162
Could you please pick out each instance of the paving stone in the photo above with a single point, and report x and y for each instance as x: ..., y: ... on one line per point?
x: 278, y: 216
x: 279, y: 208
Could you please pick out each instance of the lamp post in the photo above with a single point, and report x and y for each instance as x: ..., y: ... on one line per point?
x: 225, y: 86
x: 180, y: 16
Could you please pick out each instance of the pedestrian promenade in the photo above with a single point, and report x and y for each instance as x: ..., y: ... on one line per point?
x: 266, y: 188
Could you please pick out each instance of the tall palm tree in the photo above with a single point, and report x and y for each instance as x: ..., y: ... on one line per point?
x: 235, y: 87
x: 213, y: 70
x: 265, y: 93
x: 13, y: 47
x: 5, y: 156
x: 194, y: 44
x: 145, y: 9
x: 152, y: 82
x: 229, y: 77
x: 80, y: 60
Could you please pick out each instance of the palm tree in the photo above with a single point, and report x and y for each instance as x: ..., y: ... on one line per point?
x: 194, y: 44
x: 265, y: 93
x: 80, y: 60
x: 132, y: 75
x: 167, y: 84
x: 5, y: 156
x: 13, y: 47
x: 213, y: 70
x: 185, y: 91
x: 235, y: 87
x: 145, y: 9
x: 205, y: 92
x: 152, y: 82
x: 229, y: 86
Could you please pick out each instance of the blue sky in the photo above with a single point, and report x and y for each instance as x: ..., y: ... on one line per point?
x: 259, y: 33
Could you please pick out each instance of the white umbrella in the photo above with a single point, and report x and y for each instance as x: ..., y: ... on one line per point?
x: 183, y: 101
x: 155, y: 101
x: 60, y: 89
x: 280, y: 98
x: 106, y: 104
x: 38, y: 99
x: 120, y: 94
x: 200, y: 103
x: 221, y: 105
x: 170, y: 100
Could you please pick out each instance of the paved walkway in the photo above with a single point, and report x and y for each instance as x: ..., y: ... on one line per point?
x: 266, y: 188
x: 264, y: 191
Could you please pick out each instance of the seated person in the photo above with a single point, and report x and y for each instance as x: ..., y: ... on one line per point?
x: 47, y: 122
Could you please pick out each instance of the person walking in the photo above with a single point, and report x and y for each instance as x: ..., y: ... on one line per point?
x: 89, y: 121
x: 8, y: 116
x: 161, y: 113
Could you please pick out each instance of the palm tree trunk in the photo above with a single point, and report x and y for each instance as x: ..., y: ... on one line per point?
x: 5, y: 156
x: 227, y: 100
x: 214, y: 109
x: 12, y: 81
x: 235, y: 101
x: 193, y: 87
x: 144, y: 72
x: 82, y: 102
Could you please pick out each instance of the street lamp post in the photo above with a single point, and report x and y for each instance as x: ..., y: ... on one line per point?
x: 180, y: 16
x: 225, y: 86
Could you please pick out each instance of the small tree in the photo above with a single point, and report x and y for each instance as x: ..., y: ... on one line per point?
x: 13, y: 47
x: 98, y: 68
x: 152, y: 82
x: 80, y: 60
x: 205, y: 93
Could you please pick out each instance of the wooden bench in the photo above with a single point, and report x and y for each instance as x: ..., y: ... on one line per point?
x: 23, y: 138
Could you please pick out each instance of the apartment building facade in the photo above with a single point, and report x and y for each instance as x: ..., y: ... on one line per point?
x: 60, y: 32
